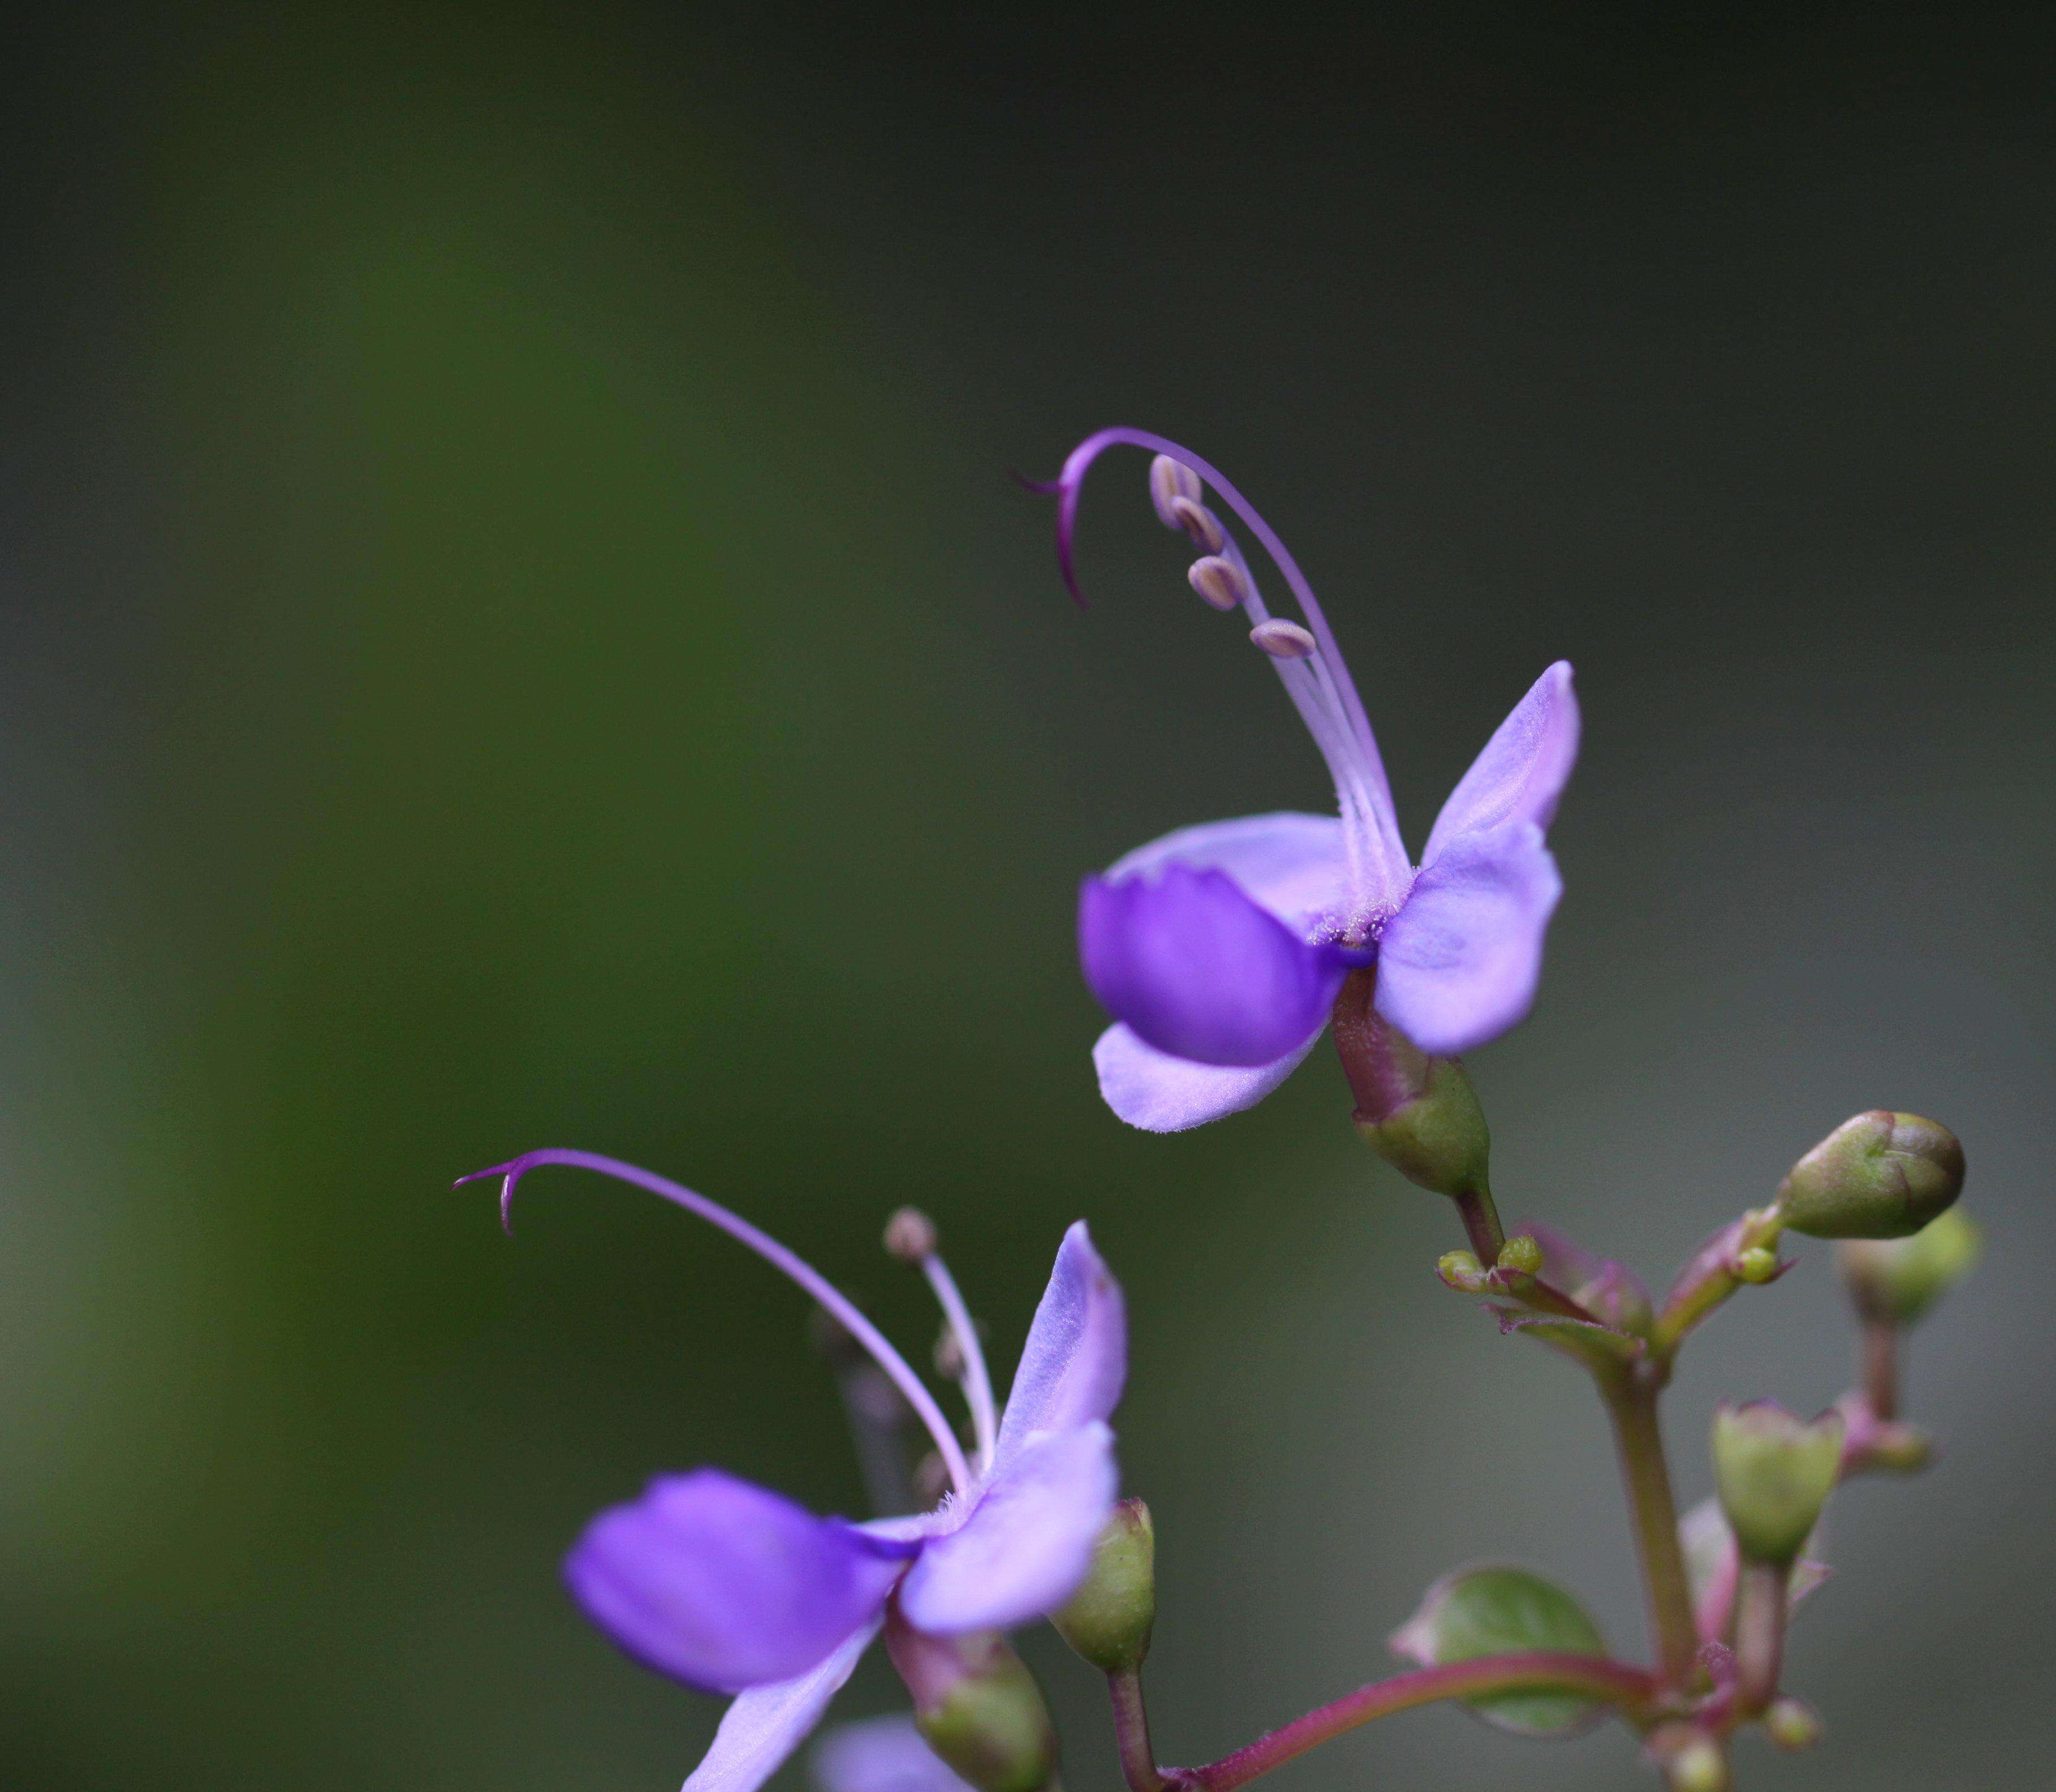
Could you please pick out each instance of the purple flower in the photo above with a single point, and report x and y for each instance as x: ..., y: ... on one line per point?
x: 732, y: 1588
x: 1219, y: 949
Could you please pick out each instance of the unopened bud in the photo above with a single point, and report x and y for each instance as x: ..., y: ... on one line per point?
x: 1881, y: 1175
x: 1757, y: 1265
x: 910, y: 1235
x: 1698, y: 1765
x: 1774, y: 1472
x: 1462, y: 1271
x: 1170, y: 481
x: 1220, y: 582
x: 1200, y: 524
x: 1900, y: 1448
x: 977, y: 1706
x: 1109, y: 1617
x: 1898, y: 1280
x: 1793, y: 1724
x: 1283, y: 640
x: 1520, y: 1255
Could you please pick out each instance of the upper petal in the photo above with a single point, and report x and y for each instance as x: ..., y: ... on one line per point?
x: 1292, y: 863
x: 1459, y: 963
x: 1075, y: 1359
x: 881, y: 1754
x: 1029, y: 1540
x: 1199, y: 969
x: 1160, y: 1093
x: 726, y: 1586
x: 1523, y: 769
x: 766, y: 1723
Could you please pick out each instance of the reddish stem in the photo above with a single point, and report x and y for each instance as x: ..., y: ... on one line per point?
x: 1595, y: 1676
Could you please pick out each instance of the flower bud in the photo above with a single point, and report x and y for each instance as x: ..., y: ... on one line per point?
x: 1879, y: 1175
x: 1696, y: 1764
x: 1793, y: 1724
x: 1521, y: 1255
x: 1774, y: 1472
x: 1109, y: 1619
x: 977, y: 1706
x: 1896, y: 1280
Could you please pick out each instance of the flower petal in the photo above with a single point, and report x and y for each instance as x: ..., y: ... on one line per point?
x: 1523, y: 769
x: 880, y: 1755
x: 1200, y: 970
x: 766, y: 1723
x: 726, y: 1586
x: 1028, y: 1542
x: 1075, y: 1359
x: 1160, y: 1093
x: 1459, y: 963
x: 1290, y: 864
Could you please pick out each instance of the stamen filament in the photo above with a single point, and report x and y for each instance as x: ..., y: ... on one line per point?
x: 793, y: 1266
x: 977, y: 1381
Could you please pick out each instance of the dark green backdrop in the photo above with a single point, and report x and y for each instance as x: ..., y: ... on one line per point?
x: 516, y: 633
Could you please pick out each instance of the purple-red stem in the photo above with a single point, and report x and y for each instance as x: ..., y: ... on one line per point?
x: 1592, y: 1676
x: 1131, y: 1732
x: 1880, y: 1369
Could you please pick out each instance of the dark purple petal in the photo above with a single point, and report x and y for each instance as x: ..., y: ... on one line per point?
x: 1160, y: 1093
x: 1288, y: 862
x: 881, y: 1754
x: 1523, y: 769
x: 761, y: 1730
x: 1075, y: 1359
x: 1028, y: 1542
x: 1200, y: 970
x: 1459, y: 963
x: 726, y: 1586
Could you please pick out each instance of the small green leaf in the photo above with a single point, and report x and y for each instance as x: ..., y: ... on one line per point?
x: 1495, y: 1609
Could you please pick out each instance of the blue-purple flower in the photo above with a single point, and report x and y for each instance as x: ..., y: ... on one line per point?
x: 1219, y: 949
x: 732, y: 1588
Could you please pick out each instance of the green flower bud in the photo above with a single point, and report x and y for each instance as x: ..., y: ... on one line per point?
x: 1879, y: 1176
x: 1757, y: 1265
x: 1521, y: 1255
x: 977, y: 1706
x: 1774, y: 1472
x: 1109, y: 1619
x: 1896, y: 1280
x: 1793, y: 1724
x: 1461, y: 1271
x: 1696, y: 1764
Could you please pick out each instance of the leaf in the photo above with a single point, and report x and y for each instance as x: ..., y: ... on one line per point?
x: 1494, y: 1608
x: 1598, y: 1347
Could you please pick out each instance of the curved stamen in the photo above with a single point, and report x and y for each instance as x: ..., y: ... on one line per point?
x: 977, y: 1380
x: 1070, y: 482
x: 1319, y: 684
x: 796, y: 1268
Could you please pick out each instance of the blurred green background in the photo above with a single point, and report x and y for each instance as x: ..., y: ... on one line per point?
x: 516, y: 633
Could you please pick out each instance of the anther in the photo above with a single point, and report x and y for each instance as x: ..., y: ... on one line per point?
x: 1200, y: 523
x: 910, y: 1235
x: 1283, y: 640
x: 1169, y: 482
x: 1219, y: 581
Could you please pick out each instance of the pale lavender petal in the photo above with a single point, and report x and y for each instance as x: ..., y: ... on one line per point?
x: 1028, y: 1542
x: 1160, y: 1093
x: 880, y: 1755
x: 766, y: 1723
x: 1201, y: 970
x: 1292, y: 865
x: 1075, y: 1358
x: 1523, y: 769
x: 1458, y: 964
x: 726, y: 1586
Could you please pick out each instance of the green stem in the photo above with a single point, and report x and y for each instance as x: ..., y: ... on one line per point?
x: 1594, y: 1676
x: 1131, y: 1732
x: 1653, y: 1511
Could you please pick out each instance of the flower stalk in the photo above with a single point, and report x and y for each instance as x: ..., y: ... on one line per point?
x: 1631, y: 1403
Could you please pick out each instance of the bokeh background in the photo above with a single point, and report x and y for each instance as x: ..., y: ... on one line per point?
x: 515, y: 631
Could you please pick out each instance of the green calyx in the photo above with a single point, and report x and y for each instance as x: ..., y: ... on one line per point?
x: 1879, y: 1175
x: 1109, y: 1618
x: 1773, y: 1472
x: 1896, y: 1280
x: 1438, y: 1139
x: 991, y: 1726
